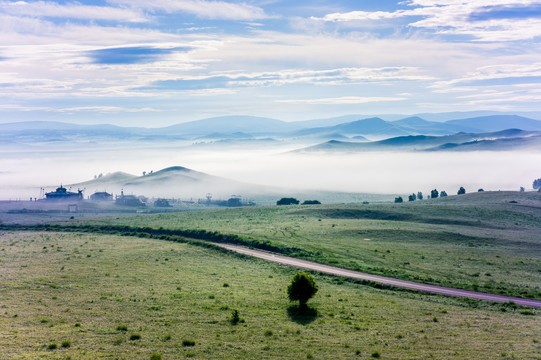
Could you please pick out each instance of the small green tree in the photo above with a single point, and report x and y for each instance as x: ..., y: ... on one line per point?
x: 434, y: 194
x: 301, y: 288
x: 235, y: 317
x: 443, y: 193
x: 287, y: 201
x: 311, y: 202
x: 461, y: 191
x: 398, y: 200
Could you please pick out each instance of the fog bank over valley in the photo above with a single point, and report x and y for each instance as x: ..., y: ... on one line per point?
x: 374, y: 172
x: 254, y: 156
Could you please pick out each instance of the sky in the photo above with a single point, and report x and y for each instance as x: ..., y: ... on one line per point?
x: 161, y: 62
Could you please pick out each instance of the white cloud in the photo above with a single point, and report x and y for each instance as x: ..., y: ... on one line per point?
x: 493, y: 72
x: 342, y: 100
x: 201, y: 8
x: 42, y: 9
x: 323, y: 77
x: 26, y: 31
x: 505, y: 100
x: 101, y: 109
x: 453, y: 17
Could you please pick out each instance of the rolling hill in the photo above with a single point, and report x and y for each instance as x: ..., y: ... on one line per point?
x: 511, y: 139
x: 239, y: 129
x: 181, y: 182
x: 174, y: 181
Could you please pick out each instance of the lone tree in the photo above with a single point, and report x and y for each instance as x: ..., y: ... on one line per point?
x: 287, y: 201
x: 434, y: 194
x: 461, y: 191
x: 443, y: 193
x: 420, y: 195
x: 537, y: 183
x: 311, y: 202
x: 301, y: 288
x: 398, y: 200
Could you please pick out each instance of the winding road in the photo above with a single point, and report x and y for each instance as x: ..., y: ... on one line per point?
x: 434, y: 289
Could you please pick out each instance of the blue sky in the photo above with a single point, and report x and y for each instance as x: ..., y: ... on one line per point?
x: 156, y: 63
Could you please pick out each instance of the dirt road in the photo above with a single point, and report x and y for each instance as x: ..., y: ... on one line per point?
x: 303, y: 264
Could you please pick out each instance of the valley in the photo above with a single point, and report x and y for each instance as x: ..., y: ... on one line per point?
x: 106, y: 296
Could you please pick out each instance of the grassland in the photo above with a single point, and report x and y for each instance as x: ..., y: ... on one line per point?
x: 111, y: 297
x: 483, y: 241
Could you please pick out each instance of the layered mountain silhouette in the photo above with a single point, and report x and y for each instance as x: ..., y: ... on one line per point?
x: 511, y: 139
x: 248, y: 128
x: 242, y: 131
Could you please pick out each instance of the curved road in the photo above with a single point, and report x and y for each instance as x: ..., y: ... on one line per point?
x: 434, y: 289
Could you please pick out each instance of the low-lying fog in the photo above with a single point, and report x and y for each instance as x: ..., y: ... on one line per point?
x: 23, y: 173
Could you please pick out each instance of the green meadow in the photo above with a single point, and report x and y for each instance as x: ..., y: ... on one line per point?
x: 96, y: 296
x: 488, y: 241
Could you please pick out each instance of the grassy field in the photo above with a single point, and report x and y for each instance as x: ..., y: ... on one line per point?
x: 483, y: 241
x: 90, y: 296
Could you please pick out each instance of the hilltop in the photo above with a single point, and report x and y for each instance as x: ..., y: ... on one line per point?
x: 182, y: 182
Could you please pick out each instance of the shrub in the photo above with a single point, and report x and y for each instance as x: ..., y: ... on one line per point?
x: 186, y: 342
x: 311, y: 202
x: 156, y: 357
x: 135, y: 337
x: 376, y: 354
x: 301, y: 288
x: 52, y: 346
x: 122, y: 328
x: 235, y: 317
x: 398, y: 200
x: 66, y: 344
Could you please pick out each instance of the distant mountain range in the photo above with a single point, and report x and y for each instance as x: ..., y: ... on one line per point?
x: 248, y: 129
x: 511, y: 139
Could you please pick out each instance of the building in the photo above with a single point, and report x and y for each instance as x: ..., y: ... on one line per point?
x: 101, y: 196
x: 62, y: 194
x: 128, y: 200
x: 162, y: 203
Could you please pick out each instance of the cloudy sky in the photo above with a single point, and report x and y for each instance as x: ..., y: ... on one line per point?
x: 155, y: 63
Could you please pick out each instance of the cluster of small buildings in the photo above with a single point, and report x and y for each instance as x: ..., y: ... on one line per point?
x: 62, y: 194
